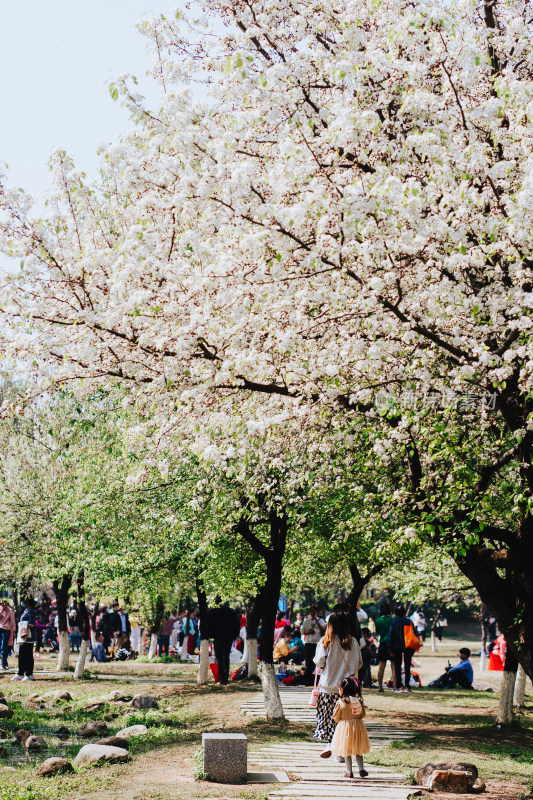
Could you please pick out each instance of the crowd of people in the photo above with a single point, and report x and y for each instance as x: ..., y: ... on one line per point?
x: 298, y: 647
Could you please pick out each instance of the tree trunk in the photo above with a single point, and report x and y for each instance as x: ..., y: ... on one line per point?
x: 85, y: 628
x: 483, y: 637
x: 505, y: 711
x: 251, y: 657
x: 272, y: 700
x: 273, y: 558
x: 253, y: 618
x: 82, y: 655
x: 358, y: 584
x: 62, y: 591
x: 520, y: 687
x: 203, y: 665
x: 153, y: 645
x: 506, y: 596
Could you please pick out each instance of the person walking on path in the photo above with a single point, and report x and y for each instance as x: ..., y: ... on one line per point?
x: 382, y: 624
x: 350, y: 738
x: 399, y: 652
x: 26, y: 640
x: 224, y: 627
x: 313, y: 629
x: 339, y: 656
x: 7, y: 629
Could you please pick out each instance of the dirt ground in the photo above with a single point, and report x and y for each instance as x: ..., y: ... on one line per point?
x: 448, y: 725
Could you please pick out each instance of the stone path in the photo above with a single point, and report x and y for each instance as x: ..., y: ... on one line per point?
x: 320, y: 779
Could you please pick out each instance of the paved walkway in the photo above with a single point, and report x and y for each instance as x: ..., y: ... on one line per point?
x: 320, y: 779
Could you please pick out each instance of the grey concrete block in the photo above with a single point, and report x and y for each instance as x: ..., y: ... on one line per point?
x: 225, y: 757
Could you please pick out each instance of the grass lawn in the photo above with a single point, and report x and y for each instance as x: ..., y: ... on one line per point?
x: 448, y: 725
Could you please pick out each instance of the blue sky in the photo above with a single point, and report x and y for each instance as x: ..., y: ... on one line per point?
x: 56, y: 60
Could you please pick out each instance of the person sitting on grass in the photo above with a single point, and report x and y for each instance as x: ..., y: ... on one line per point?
x: 461, y: 675
x: 97, y: 650
x: 283, y: 650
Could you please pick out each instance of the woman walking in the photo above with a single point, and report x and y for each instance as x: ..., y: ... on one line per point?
x: 339, y: 655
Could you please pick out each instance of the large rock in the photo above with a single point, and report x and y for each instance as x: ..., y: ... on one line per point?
x: 115, y: 741
x: 5, y: 711
x: 225, y: 757
x: 100, y: 754
x: 54, y: 766
x: 448, y: 780
x: 144, y: 701
x: 133, y: 730
x: 90, y: 729
x: 34, y: 743
x: 423, y: 776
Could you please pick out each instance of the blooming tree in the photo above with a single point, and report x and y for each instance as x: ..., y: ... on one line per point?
x: 329, y: 217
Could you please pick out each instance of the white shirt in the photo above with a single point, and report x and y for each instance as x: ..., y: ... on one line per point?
x: 337, y: 664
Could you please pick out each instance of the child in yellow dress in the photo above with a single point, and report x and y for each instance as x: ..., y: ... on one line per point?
x: 350, y: 737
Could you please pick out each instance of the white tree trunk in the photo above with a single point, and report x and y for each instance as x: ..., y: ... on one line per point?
x: 273, y: 704
x: 153, y: 645
x: 64, y: 651
x: 520, y: 687
x: 482, y: 659
x: 433, y: 643
x: 244, y: 659
x: 252, y: 658
x: 505, y: 711
x: 203, y: 667
x: 80, y: 663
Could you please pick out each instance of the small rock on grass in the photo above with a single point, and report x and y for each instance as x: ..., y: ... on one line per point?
x: 478, y: 786
x: 63, y: 732
x: 21, y: 735
x: 3, y: 751
x: 3, y: 734
x: 133, y: 730
x: 118, y: 695
x: 54, y: 766
x: 5, y: 711
x: 100, y: 754
x: 144, y: 701
x: 115, y: 741
x: 34, y: 743
x: 89, y: 729
x: 57, y: 696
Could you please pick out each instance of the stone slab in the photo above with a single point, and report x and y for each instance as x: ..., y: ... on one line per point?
x: 225, y: 757
x: 267, y: 777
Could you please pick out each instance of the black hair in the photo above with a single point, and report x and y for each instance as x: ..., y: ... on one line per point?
x: 465, y: 651
x: 365, y: 630
x: 385, y: 609
x: 400, y: 611
x: 350, y: 687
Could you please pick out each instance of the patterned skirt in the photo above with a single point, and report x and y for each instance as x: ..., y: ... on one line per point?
x: 325, y: 724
